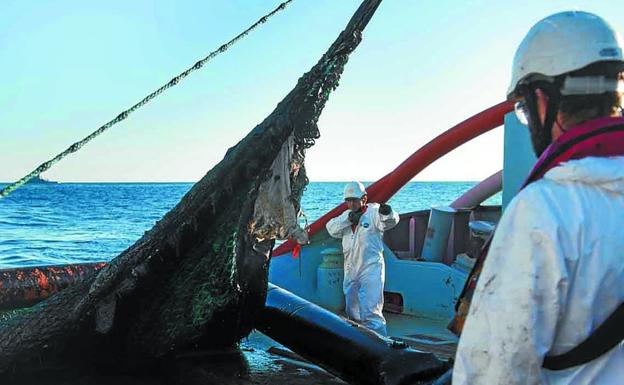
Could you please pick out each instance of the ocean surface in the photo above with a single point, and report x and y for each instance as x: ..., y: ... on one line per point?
x: 89, y: 222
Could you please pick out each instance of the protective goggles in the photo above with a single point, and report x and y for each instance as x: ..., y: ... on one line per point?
x: 588, y: 85
x: 522, y: 112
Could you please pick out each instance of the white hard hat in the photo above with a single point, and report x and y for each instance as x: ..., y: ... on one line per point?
x: 354, y: 190
x: 564, y: 42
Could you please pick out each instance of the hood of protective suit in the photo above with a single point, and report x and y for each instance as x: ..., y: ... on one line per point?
x: 604, y: 173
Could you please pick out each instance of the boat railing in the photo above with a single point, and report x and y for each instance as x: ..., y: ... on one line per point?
x: 407, y: 239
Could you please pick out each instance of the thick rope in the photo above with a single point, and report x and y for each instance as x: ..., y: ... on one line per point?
x: 122, y: 116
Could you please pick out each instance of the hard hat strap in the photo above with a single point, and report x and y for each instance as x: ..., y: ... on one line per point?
x: 552, y: 107
x: 541, y: 132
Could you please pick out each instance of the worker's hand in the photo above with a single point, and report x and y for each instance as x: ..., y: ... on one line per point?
x: 354, y: 217
x: 384, y: 209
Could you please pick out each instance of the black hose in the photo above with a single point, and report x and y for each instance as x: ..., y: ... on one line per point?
x: 347, y: 350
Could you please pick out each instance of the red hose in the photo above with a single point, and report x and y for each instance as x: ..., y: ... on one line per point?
x: 386, y: 187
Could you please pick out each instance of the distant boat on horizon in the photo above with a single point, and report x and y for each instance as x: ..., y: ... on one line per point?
x: 39, y: 180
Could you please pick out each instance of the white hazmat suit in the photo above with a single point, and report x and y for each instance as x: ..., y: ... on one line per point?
x: 553, y: 274
x: 364, y: 264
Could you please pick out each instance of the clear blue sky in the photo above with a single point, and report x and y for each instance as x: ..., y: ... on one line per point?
x: 66, y: 67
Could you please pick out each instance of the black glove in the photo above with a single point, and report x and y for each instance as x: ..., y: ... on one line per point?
x: 384, y: 209
x: 354, y: 217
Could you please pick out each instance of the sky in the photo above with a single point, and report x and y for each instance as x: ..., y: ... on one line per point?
x: 68, y: 66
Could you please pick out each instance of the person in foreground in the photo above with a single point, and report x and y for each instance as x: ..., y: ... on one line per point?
x: 554, y: 271
x: 361, y: 228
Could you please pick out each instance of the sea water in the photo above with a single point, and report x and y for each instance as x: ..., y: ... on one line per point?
x: 51, y: 224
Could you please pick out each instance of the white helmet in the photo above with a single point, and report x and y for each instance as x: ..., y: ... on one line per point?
x: 354, y: 190
x: 562, y: 43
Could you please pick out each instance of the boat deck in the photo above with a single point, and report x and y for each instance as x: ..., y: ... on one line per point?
x: 422, y: 334
x: 419, y: 333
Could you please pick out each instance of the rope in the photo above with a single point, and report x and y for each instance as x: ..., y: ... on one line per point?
x: 122, y: 116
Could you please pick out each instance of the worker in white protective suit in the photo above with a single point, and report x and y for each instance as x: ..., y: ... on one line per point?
x: 361, y: 228
x: 555, y: 267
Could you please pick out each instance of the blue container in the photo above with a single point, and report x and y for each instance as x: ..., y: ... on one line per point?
x: 329, y: 278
